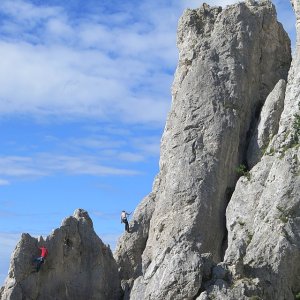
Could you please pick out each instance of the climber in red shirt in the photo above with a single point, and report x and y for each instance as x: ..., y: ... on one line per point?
x: 40, y: 260
x: 44, y: 252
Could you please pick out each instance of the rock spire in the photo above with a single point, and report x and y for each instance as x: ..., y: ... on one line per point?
x: 229, y: 62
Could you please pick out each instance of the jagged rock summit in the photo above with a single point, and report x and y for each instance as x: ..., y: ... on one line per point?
x: 79, y: 265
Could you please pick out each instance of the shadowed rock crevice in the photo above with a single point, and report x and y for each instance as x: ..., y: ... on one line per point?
x: 266, y: 126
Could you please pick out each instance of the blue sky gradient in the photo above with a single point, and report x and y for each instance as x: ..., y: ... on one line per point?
x: 85, y: 90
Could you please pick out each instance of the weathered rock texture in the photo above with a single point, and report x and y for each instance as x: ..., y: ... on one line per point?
x: 263, y: 215
x: 229, y: 62
x: 79, y: 266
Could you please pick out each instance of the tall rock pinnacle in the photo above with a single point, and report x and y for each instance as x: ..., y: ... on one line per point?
x: 229, y: 61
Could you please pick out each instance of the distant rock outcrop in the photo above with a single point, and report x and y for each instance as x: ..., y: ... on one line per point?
x: 229, y: 61
x: 79, y: 266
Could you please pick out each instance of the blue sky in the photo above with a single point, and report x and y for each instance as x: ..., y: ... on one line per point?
x: 85, y: 90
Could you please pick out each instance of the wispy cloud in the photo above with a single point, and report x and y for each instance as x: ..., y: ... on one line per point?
x: 112, y: 148
x: 105, y: 215
x: 4, y: 182
x: 149, y: 145
x: 83, y: 67
x: 46, y: 164
x: 18, y: 166
x: 23, y: 11
x: 12, y: 213
x: 93, y: 151
x: 9, y: 239
x: 96, y: 142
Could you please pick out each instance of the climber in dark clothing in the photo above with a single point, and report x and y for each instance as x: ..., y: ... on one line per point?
x: 40, y: 260
x: 124, y: 220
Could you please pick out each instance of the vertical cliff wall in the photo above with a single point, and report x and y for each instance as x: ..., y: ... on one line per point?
x: 263, y: 216
x: 79, y: 266
x: 229, y: 61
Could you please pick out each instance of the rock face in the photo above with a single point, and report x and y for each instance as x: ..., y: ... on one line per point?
x: 79, y: 266
x: 263, y: 215
x: 229, y: 62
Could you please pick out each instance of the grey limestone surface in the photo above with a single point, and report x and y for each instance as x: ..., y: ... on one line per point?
x: 229, y: 62
x: 79, y: 266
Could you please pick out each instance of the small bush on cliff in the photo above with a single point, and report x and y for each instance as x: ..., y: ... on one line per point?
x: 296, y: 127
x: 254, y: 298
x: 284, y: 215
x: 296, y: 133
x: 243, y: 171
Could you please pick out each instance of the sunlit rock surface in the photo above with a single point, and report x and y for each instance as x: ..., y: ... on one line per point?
x: 229, y: 61
x: 79, y: 266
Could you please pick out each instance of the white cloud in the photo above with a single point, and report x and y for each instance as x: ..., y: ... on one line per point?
x: 105, y: 215
x: 64, y: 81
x: 48, y: 164
x: 9, y: 241
x: 81, y: 166
x: 149, y: 145
x: 122, y: 145
x: 59, y: 28
x: 131, y: 157
x: 84, y: 68
x: 25, y: 11
x: 16, y: 166
x: 4, y: 182
x: 95, y: 142
x: 95, y: 151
